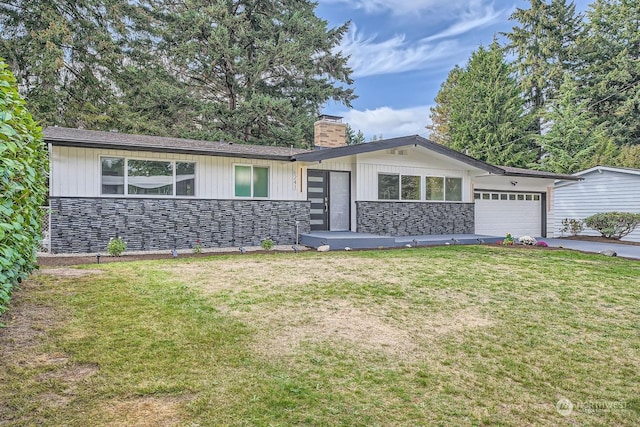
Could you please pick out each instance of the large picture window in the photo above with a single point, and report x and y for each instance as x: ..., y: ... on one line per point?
x: 251, y: 181
x: 147, y: 177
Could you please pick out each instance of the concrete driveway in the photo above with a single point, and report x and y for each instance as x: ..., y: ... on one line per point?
x: 627, y: 251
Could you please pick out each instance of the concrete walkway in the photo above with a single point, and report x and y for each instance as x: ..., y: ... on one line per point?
x: 627, y: 251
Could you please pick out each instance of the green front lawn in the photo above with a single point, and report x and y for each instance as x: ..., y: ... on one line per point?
x: 454, y: 335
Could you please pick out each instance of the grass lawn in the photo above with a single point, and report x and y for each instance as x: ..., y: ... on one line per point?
x: 457, y: 335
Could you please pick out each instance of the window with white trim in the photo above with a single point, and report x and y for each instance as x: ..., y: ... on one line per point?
x: 142, y: 177
x: 399, y: 187
x: 443, y: 188
x: 251, y: 181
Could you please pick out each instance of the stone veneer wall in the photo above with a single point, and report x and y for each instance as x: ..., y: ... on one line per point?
x: 86, y: 224
x: 409, y: 218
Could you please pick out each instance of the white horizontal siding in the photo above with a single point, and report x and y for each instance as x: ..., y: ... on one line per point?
x: 598, y: 192
x: 75, y: 172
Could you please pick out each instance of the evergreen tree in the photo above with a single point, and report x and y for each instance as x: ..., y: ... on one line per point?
x: 543, y: 42
x: 628, y: 157
x: 354, y: 137
x: 610, y: 72
x: 487, y: 118
x: 260, y: 70
x: 573, y: 138
x: 65, y: 56
x: 441, y: 112
x: 242, y: 70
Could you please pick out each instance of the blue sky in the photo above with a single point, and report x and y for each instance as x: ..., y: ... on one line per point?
x: 402, y: 50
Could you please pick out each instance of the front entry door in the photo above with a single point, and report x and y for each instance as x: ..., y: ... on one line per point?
x: 329, y: 194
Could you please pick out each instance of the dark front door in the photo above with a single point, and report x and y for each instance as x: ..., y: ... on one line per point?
x: 318, y: 195
x: 328, y: 192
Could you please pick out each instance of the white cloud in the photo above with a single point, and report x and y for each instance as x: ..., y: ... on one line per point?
x: 441, y: 8
x: 472, y: 19
x: 370, y: 57
x: 388, y: 122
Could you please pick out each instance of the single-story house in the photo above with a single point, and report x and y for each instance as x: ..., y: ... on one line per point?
x: 159, y: 193
x: 600, y: 189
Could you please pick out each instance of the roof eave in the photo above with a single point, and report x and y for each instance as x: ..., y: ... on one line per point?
x: 551, y: 176
x: 415, y: 140
x: 159, y: 149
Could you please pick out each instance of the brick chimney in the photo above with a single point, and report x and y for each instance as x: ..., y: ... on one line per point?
x: 329, y: 132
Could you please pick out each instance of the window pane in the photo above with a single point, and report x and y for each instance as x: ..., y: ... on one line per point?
x: 454, y: 189
x: 243, y: 181
x: 260, y: 182
x: 388, y: 187
x: 435, y: 188
x: 112, y: 175
x: 185, y: 179
x: 150, y: 177
x: 410, y: 187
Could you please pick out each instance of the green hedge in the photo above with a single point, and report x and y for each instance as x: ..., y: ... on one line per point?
x: 23, y: 188
x: 613, y: 225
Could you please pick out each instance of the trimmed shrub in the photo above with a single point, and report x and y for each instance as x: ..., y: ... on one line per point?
x: 613, y: 225
x: 23, y: 171
x: 573, y: 226
x: 116, y: 246
x: 267, y: 244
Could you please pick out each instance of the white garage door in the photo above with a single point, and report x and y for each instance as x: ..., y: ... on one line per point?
x: 497, y: 214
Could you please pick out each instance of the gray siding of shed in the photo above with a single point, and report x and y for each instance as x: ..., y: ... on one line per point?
x: 598, y: 192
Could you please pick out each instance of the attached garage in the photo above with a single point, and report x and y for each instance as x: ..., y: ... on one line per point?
x: 518, y: 213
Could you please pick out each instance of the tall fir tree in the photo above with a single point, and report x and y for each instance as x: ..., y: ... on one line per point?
x: 610, y: 71
x: 571, y: 142
x: 441, y: 111
x: 243, y: 70
x: 65, y: 56
x: 353, y: 137
x: 544, y: 43
x: 261, y: 70
x: 486, y: 115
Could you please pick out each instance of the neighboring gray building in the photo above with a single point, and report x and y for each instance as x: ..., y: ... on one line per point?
x: 158, y: 193
x: 601, y: 189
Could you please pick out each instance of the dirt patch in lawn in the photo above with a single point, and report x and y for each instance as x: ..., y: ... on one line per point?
x: 283, y: 331
x: 246, y: 273
x: 144, y: 411
x: 26, y: 323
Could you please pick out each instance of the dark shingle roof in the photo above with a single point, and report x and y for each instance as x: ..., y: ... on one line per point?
x: 122, y: 141
x: 385, y: 144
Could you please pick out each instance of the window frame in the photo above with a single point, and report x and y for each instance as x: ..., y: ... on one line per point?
x: 422, y: 182
x: 252, y: 167
x: 399, y: 186
x: 148, y: 196
x: 444, y: 189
